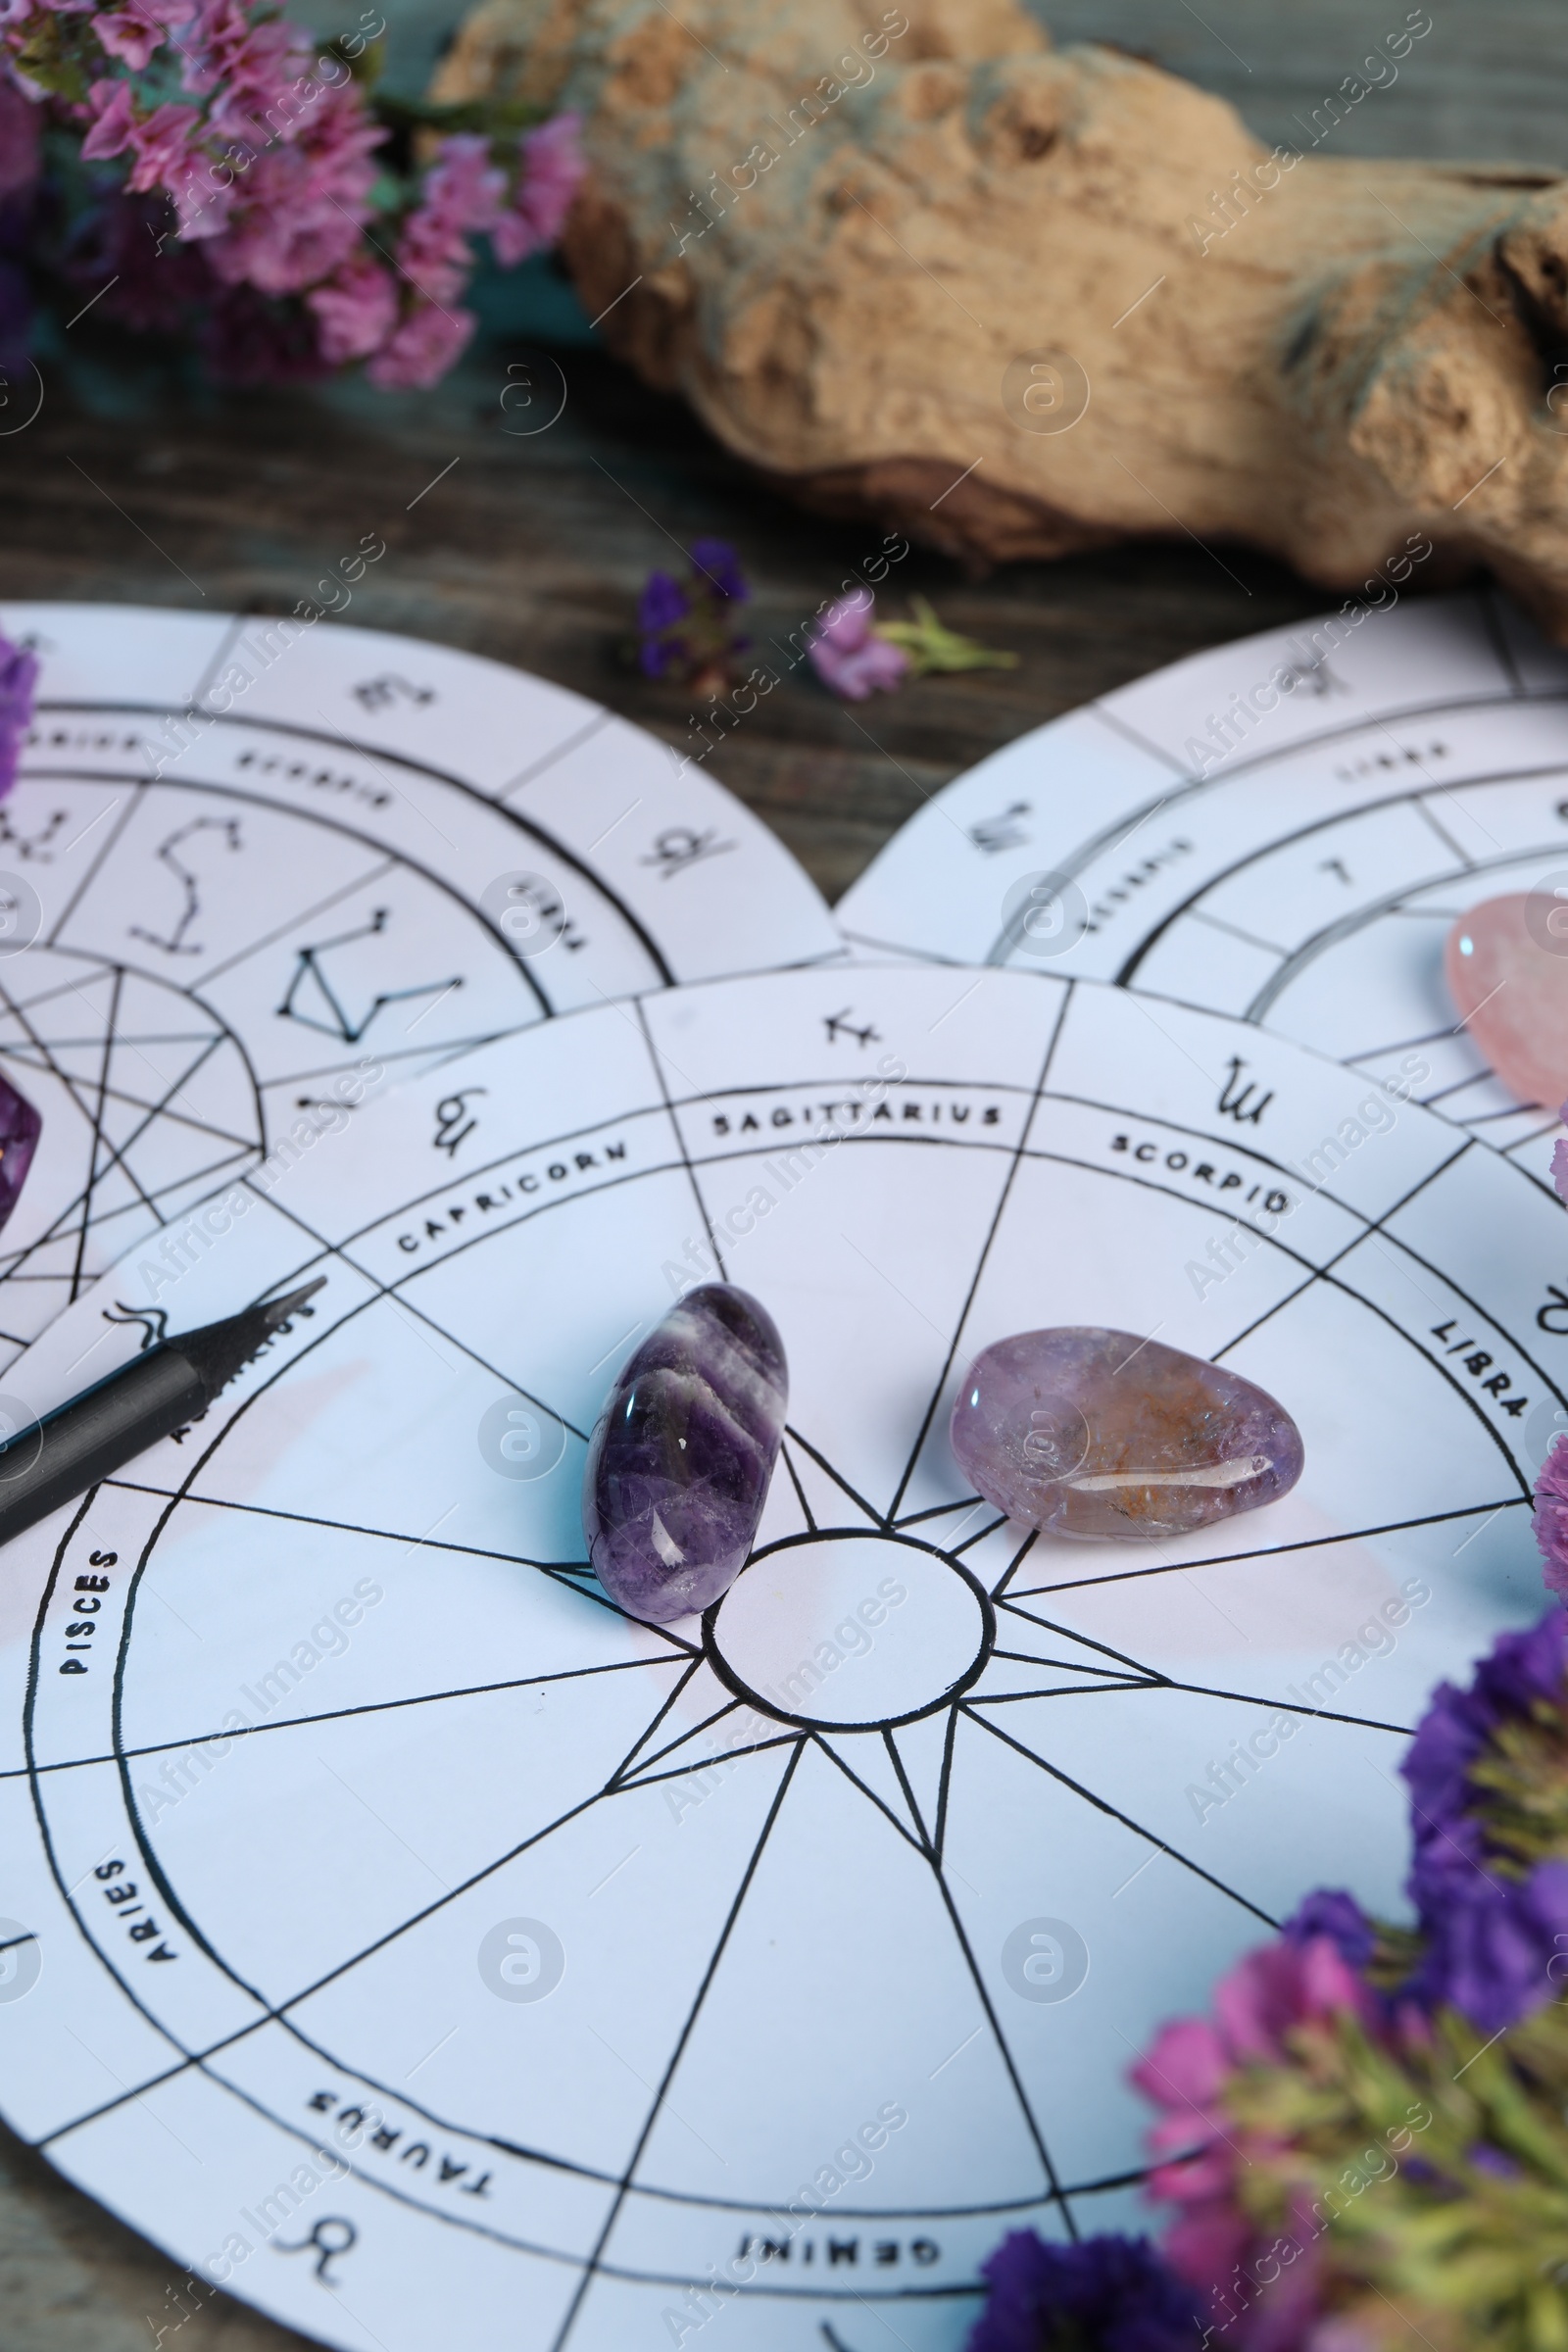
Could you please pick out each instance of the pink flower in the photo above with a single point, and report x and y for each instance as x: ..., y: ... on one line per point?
x: 463, y: 190
x: 128, y: 34
x: 357, y: 308
x: 462, y: 194
x: 1551, y: 1521
x: 553, y: 166
x: 162, y: 146
x: 1199, y: 2149
x: 21, y: 124
x: 848, y: 657
x: 421, y: 350
x: 299, y: 207
x: 114, y: 113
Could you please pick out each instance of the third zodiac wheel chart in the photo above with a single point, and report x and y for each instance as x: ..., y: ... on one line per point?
x: 394, y: 1905
x: 1290, y: 853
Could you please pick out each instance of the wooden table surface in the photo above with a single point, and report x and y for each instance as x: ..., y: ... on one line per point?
x: 133, y: 486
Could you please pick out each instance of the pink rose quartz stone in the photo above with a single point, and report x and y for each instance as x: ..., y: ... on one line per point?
x: 1506, y: 965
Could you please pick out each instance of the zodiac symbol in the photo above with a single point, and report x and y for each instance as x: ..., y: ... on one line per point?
x: 450, y: 1131
x: 1235, y: 1103
x: 1004, y: 832
x: 839, y: 1024
x: 324, y: 2253
x: 154, y: 1321
x: 377, y: 693
x: 680, y: 846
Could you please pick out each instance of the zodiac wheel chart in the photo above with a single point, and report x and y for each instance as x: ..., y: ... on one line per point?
x: 245, y: 860
x: 1291, y: 855
x: 408, y: 1940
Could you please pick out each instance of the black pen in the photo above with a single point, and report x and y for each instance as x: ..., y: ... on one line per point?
x: 169, y: 1384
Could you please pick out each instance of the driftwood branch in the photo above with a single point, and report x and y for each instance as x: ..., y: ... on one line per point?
x: 1021, y: 301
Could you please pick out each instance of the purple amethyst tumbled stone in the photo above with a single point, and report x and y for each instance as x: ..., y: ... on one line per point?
x: 19, y: 1130
x: 1087, y: 1432
x: 680, y: 1459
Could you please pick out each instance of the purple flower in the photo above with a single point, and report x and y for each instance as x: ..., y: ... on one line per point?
x: 1559, y: 1157
x: 1492, y: 1942
x: 1340, y: 1917
x: 1491, y: 1935
x: 1458, y: 1725
x: 849, y: 658
x: 688, y: 626
x: 720, y: 568
x: 1113, y: 2294
x: 19, y: 671
x: 663, y: 604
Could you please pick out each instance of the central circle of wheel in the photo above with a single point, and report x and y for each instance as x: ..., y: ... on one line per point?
x: 849, y: 1630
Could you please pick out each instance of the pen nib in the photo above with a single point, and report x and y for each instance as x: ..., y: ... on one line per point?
x: 220, y: 1349
x: 278, y: 1310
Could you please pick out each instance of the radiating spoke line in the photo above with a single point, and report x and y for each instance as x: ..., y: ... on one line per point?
x: 800, y: 1490
x: 944, y: 1784
x: 1031, y: 2121
x: 1029, y: 1617
x: 656, y: 1755
x: 917, y: 1815
x: 1290, y: 1706
x: 1266, y: 1551
x: 935, y: 1510
x: 686, y: 2031
x: 371, y: 1706
x: 957, y: 1550
x: 839, y: 1479
x: 1015, y: 1162
x: 1006, y: 1698
x: 643, y: 1737
x: 1103, y: 1805
x: 1133, y: 1665
x: 1027, y: 1658
x: 1014, y: 1564
x: 687, y: 1772
x: 882, y: 1806
x: 388, y: 1535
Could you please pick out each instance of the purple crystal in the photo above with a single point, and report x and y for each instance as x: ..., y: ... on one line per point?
x: 19, y: 1130
x: 680, y: 1464
x: 1083, y: 1431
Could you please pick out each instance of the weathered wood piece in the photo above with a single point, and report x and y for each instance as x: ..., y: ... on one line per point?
x: 915, y: 262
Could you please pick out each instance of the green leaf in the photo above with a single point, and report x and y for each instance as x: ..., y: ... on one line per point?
x: 932, y: 646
